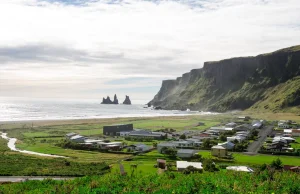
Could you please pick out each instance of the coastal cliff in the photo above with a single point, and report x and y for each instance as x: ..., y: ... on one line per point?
x: 269, y: 81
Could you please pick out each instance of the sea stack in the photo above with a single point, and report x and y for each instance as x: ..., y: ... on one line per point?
x: 115, y: 100
x: 106, y: 101
x: 127, y: 100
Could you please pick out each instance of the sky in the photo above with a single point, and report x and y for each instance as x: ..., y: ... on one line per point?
x: 88, y: 49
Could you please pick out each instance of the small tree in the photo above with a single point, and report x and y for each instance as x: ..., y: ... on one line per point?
x: 183, y: 136
x: 191, y: 169
x: 209, y: 165
x: 277, y: 164
x: 223, y: 137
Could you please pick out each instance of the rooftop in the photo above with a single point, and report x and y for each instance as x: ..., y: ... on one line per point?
x: 239, y: 168
x: 185, y: 164
x: 186, y: 151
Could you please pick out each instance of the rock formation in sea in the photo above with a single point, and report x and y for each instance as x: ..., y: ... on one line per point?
x: 127, y: 100
x: 106, y: 100
x: 115, y: 100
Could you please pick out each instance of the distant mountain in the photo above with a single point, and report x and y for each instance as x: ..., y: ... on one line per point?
x: 269, y: 82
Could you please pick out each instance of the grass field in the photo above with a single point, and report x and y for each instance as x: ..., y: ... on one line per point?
x: 296, y: 144
x: 240, y: 158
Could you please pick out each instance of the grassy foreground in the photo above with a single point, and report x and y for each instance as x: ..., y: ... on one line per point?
x: 218, y: 182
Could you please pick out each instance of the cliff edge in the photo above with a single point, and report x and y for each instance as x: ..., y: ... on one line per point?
x: 268, y: 81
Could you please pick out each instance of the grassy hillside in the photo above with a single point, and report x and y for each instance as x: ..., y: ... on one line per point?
x: 220, y: 182
x: 267, y: 82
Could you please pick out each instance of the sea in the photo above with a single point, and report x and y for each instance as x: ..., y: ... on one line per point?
x: 28, y: 110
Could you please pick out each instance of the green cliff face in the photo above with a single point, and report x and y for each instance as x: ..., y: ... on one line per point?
x: 270, y: 82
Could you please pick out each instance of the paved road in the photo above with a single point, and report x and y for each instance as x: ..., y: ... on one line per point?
x: 263, y: 133
x: 25, y: 178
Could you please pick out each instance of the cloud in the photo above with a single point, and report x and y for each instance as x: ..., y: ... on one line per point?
x: 83, y: 45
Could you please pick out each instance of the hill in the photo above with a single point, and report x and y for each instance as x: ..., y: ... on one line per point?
x: 268, y: 82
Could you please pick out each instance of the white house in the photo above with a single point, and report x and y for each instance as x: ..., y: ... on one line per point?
x: 239, y: 168
x: 288, y: 139
x: 228, y: 145
x: 186, y: 153
x: 78, y: 139
x: 232, y: 124
x: 69, y: 135
x: 182, y: 165
x: 239, y: 138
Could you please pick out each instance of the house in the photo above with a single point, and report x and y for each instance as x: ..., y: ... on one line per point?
x: 69, y: 135
x: 78, y: 139
x: 240, y: 168
x: 110, y: 145
x: 296, y: 132
x: 244, y: 118
x: 221, y: 128
x: 114, y: 130
x: 219, y: 151
x: 186, y: 153
x: 228, y: 145
x: 287, y: 131
x: 92, y: 141
x: 182, y: 144
x: 182, y: 165
x: 288, y: 139
x: 165, y: 144
x: 257, y: 125
x: 147, y: 134
x: 232, y: 125
x: 283, y: 124
x: 239, y: 138
x: 244, y: 127
x: 195, y: 142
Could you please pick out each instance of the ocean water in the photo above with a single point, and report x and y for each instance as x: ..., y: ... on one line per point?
x: 24, y: 110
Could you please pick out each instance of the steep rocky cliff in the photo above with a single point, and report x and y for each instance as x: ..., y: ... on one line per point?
x: 268, y: 81
x: 127, y: 100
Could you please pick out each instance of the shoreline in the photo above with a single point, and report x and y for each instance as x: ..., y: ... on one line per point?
x: 96, y: 120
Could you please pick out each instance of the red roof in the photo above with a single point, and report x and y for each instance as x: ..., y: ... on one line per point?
x: 295, y: 131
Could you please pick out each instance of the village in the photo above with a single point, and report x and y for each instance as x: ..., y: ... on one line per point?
x: 241, y: 134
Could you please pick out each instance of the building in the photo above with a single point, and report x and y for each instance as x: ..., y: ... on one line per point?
x: 232, y: 124
x: 239, y: 138
x: 283, y: 125
x: 69, y: 135
x: 257, y: 125
x: 141, y: 147
x: 296, y: 132
x: 124, y: 133
x: 244, y: 118
x: 182, y: 165
x: 78, y: 139
x: 240, y: 168
x: 186, y: 153
x: 114, y: 130
x: 147, y: 134
x: 111, y: 145
x: 165, y: 144
x: 228, y: 145
x: 221, y: 128
x: 219, y: 151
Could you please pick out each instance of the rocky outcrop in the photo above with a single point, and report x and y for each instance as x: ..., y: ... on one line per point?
x: 127, y: 100
x: 237, y: 83
x: 108, y: 100
x: 116, y: 101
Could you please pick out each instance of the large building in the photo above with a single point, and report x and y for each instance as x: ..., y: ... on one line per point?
x: 114, y: 130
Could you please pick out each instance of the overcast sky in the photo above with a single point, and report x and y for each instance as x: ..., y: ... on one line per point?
x: 87, y: 49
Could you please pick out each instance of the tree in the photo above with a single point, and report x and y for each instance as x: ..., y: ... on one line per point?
x: 206, y: 143
x: 223, y: 137
x: 209, y: 165
x: 191, y: 169
x: 154, y: 144
x: 183, y: 136
x: 277, y: 164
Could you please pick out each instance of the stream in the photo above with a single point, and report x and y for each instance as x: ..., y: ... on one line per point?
x: 12, y: 146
